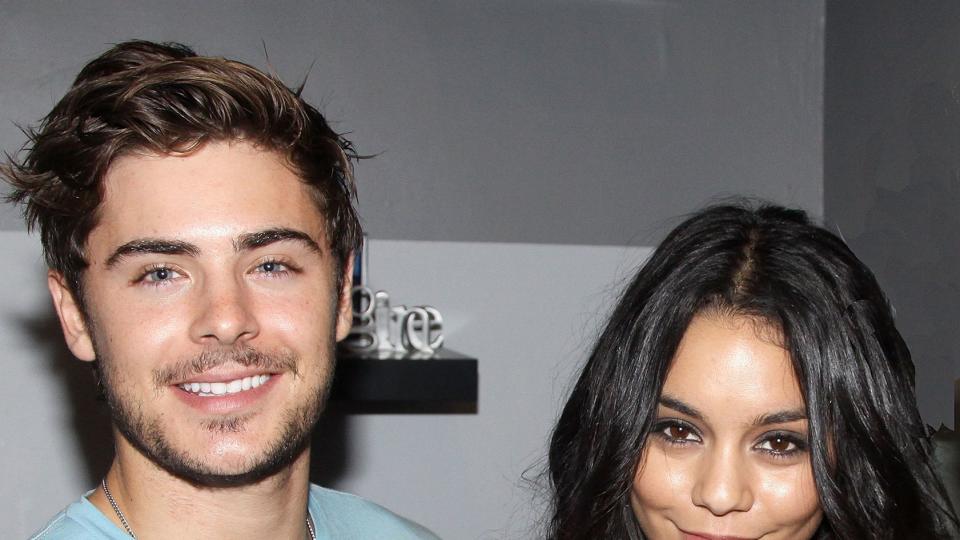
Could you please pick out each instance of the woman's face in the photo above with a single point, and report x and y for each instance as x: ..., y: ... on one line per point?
x: 728, y: 457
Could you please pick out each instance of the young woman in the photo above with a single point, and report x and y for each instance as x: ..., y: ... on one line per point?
x: 749, y: 384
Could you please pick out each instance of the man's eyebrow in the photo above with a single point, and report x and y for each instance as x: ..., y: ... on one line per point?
x: 244, y: 242
x: 258, y: 239
x: 780, y: 417
x: 152, y: 245
x: 681, y: 407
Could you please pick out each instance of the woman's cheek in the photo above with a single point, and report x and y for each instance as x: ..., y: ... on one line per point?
x: 662, y: 485
x: 790, y: 496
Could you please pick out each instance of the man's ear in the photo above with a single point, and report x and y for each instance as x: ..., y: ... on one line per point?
x: 72, y: 321
x: 344, y: 303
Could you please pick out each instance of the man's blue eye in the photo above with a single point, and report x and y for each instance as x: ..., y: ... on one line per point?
x: 160, y: 274
x: 272, y: 267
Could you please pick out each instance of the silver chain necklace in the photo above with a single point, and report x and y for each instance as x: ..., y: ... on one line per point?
x: 123, y: 519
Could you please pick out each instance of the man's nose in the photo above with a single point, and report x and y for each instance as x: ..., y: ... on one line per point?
x: 224, y: 313
x: 724, y: 483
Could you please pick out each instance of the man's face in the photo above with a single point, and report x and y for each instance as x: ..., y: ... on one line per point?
x: 212, y: 307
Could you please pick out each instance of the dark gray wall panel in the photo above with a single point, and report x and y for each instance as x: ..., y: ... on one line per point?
x: 592, y: 122
x: 892, y: 170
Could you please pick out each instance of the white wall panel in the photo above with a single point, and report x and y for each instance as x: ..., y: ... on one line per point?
x: 526, y: 311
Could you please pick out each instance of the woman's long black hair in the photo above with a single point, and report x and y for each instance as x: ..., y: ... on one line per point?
x: 870, y: 452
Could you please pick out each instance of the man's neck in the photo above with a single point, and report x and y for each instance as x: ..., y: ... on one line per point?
x: 157, y: 504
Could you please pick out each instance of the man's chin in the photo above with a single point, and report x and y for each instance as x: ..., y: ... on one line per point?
x: 226, y: 460
x: 222, y: 469
x: 206, y: 477
x: 225, y: 452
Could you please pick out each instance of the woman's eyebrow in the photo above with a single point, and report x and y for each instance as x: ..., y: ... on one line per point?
x: 780, y: 417
x: 681, y: 407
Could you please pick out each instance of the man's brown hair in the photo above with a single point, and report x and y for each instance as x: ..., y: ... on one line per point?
x: 164, y: 99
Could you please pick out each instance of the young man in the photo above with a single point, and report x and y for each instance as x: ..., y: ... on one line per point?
x: 197, y: 218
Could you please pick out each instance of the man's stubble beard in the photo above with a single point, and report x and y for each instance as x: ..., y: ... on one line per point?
x: 148, y: 437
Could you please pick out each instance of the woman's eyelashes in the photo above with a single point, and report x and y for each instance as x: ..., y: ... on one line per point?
x: 677, y: 432
x: 782, y: 445
x: 776, y: 444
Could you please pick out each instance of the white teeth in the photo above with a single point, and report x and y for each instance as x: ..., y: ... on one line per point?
x: 221, y: 388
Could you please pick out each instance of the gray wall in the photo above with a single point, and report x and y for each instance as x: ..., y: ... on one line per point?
x: 528, y: 152
x: 892, y: 170
x: 582, y: 122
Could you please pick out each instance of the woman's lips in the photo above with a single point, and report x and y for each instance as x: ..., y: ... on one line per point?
x: 704, y: 536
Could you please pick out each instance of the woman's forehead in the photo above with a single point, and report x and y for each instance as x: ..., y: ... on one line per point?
x: 734, y: 367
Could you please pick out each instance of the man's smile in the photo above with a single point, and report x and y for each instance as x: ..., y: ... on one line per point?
x: 229, y: 387
x: 227, y: 395
x: 235, y: 386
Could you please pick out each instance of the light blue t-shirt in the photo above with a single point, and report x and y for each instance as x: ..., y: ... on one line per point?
x: 336, y: 516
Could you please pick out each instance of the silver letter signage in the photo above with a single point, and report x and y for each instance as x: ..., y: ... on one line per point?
x: 379, y: 327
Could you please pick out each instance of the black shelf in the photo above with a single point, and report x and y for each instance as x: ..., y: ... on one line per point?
x: 372, y: 382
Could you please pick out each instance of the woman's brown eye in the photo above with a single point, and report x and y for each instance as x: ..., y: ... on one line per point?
x: 780, y: 444
x: 676, y: 432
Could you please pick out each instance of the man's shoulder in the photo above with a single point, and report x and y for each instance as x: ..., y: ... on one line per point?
x: 337, y: 516
x: 341, y: 515
x: 79, y: 521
